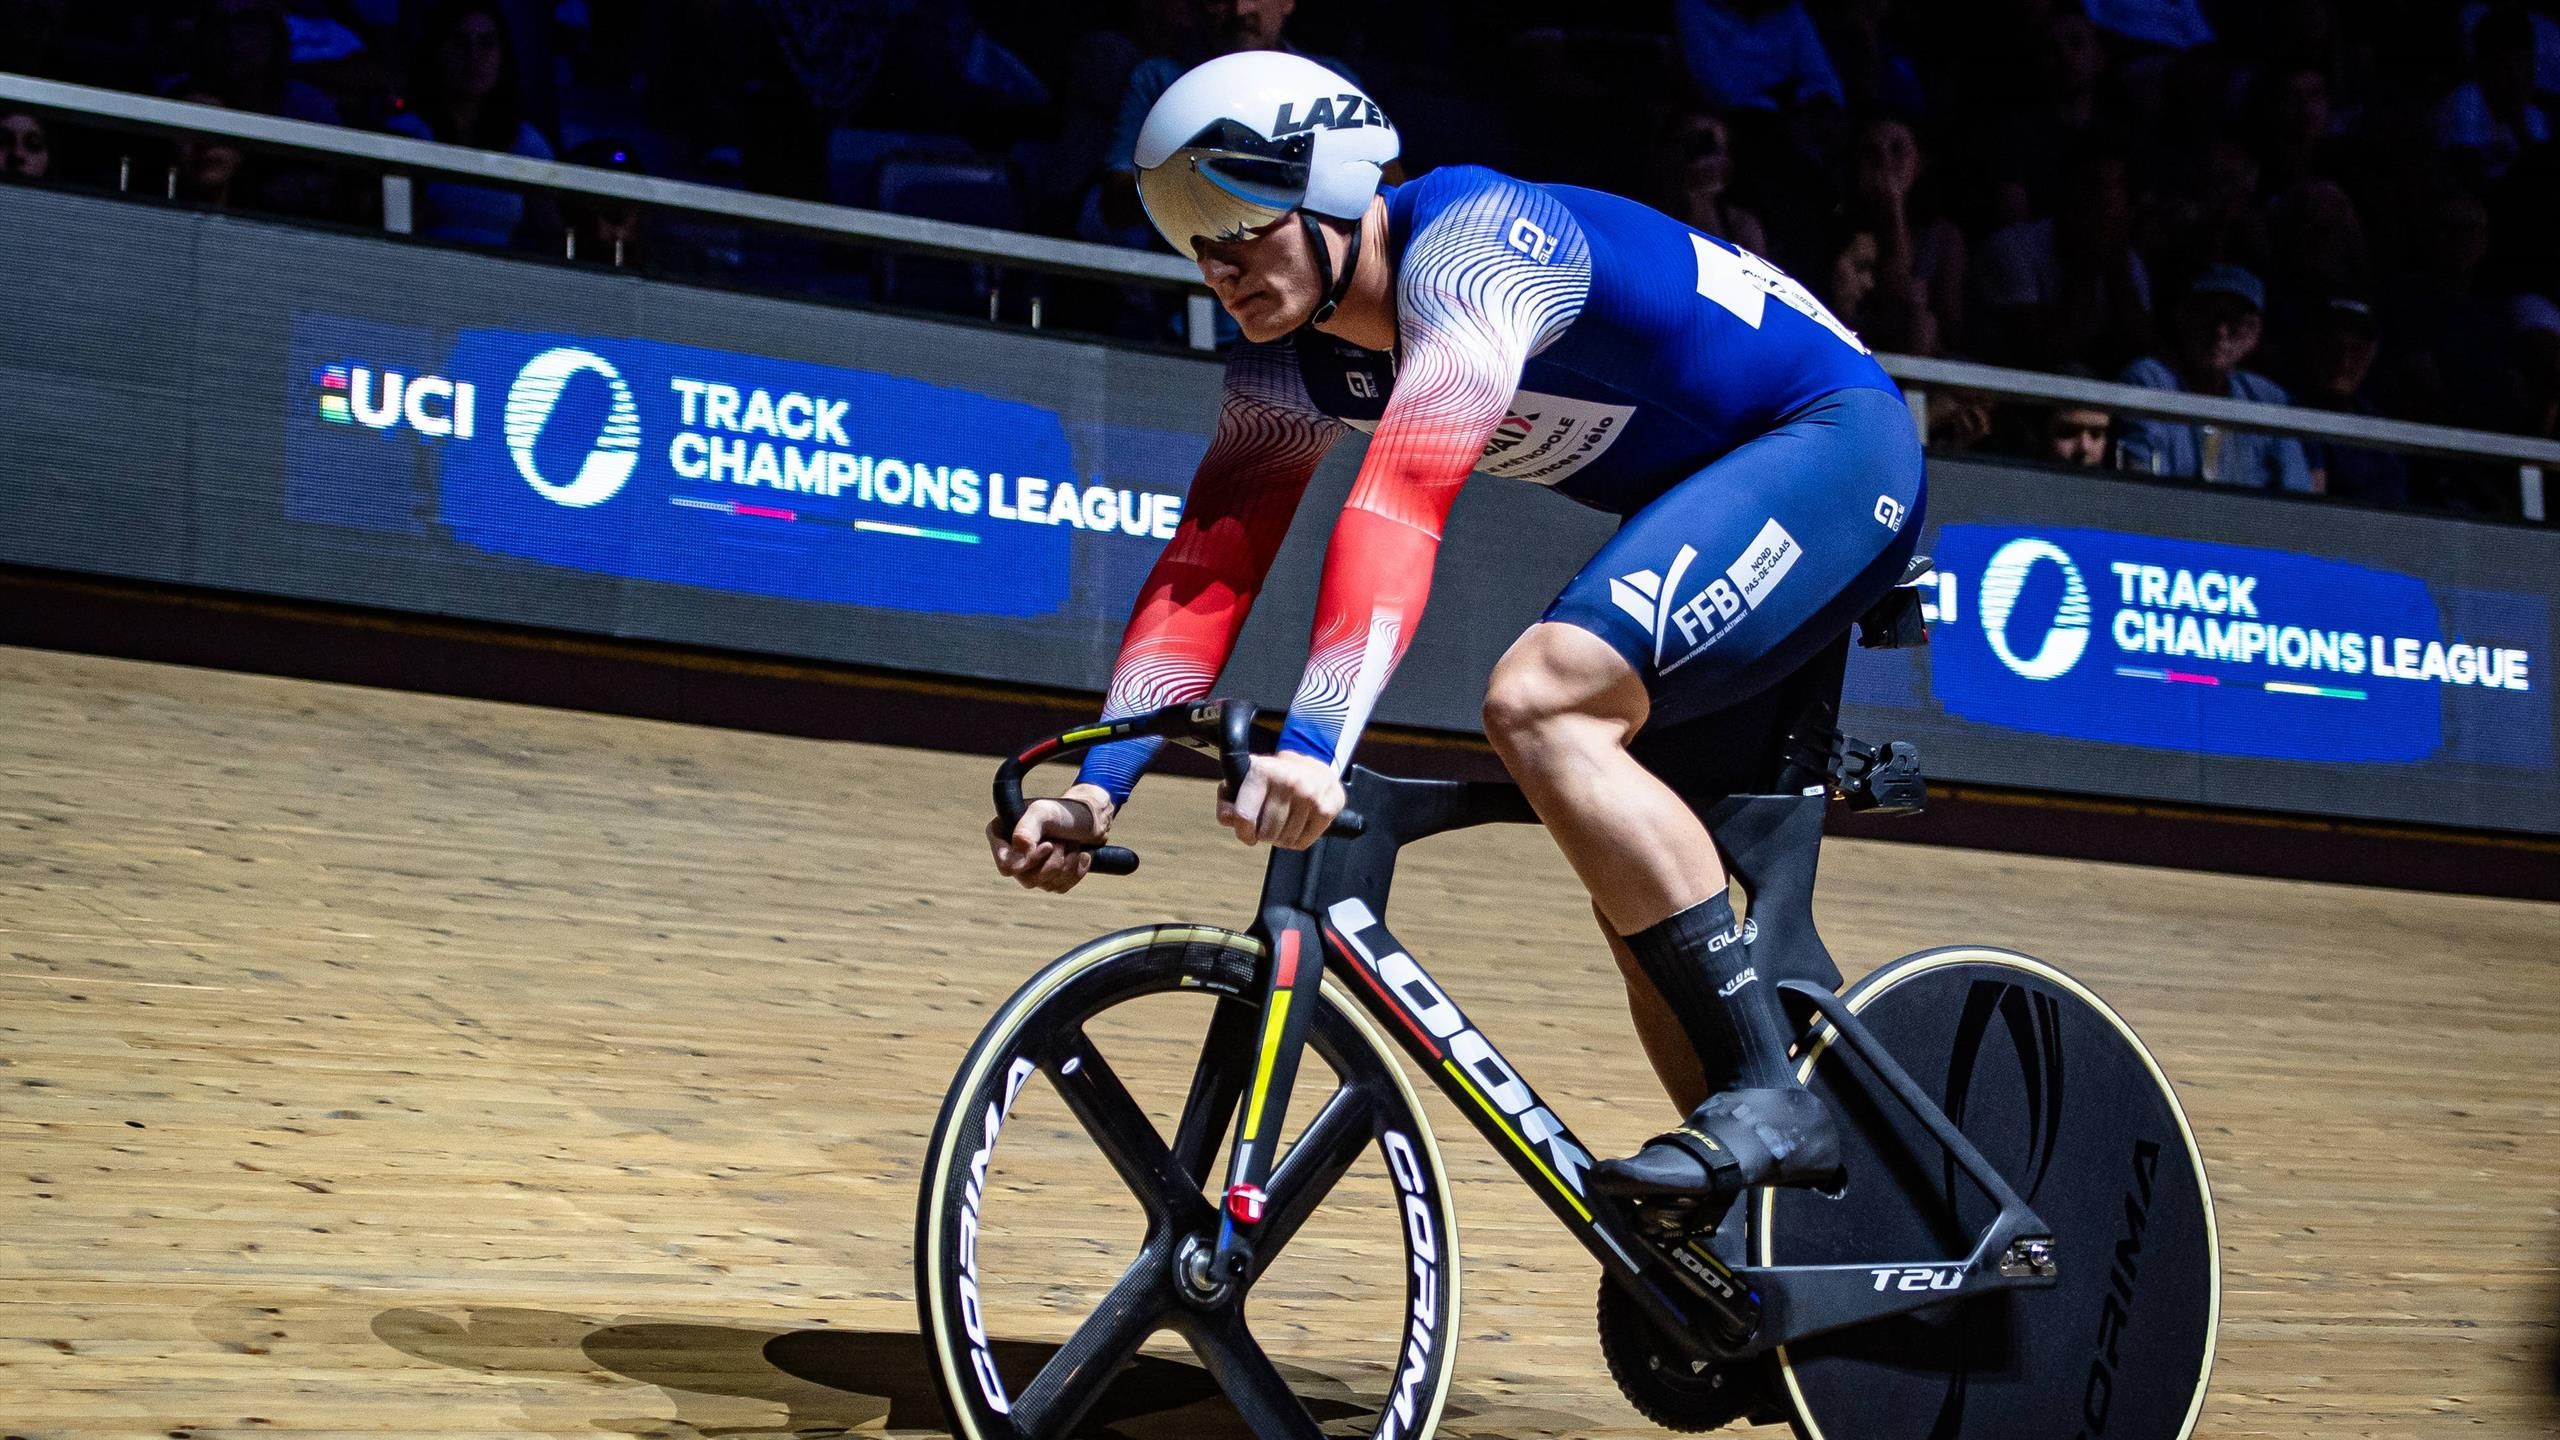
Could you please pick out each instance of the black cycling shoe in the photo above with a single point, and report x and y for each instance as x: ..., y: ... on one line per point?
x: 1735, y: 1141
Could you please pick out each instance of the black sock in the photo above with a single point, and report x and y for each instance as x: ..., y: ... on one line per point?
x: 1698, y: 960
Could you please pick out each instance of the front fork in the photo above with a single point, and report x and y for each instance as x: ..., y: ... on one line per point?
x: 1292, y: 988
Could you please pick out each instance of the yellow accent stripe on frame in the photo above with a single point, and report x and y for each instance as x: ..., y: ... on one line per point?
x: 1525, y: 1147
x: 1262, y: 1070
x: 1090, y: 732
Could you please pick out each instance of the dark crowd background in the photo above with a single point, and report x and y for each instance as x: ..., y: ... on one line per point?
x: 2343, y: 204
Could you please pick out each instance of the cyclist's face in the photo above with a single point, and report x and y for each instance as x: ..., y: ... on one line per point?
x: 1266, y: 281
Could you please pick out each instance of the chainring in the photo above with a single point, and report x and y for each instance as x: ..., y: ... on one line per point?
x: 1665, y: 1386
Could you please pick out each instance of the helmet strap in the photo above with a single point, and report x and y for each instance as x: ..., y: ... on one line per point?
x: 1335, y: 286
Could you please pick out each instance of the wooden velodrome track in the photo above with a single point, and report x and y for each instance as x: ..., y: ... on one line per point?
x: 386, y: 1064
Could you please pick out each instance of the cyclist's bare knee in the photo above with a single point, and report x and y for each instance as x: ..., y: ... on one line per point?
x: 1557, y: 680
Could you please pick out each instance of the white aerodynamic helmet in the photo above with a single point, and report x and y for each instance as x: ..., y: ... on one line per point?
x: 1247, y: 138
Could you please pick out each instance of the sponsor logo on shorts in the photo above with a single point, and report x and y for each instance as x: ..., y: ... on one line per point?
x: 1889, y: 513
x: 1765, y: 562
x: 1683, y: 630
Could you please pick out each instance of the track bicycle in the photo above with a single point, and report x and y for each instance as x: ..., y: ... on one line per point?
x: 2024, y: 1248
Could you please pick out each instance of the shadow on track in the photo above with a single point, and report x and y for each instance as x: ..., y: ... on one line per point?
x: 745, y: 1381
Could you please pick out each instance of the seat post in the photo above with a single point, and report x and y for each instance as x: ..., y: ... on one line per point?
x: 1773, y: 844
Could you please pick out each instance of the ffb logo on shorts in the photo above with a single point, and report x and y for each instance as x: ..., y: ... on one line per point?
x: 1710, y: 613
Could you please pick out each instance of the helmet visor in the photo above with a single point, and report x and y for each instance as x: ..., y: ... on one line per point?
x: 1225, y: 185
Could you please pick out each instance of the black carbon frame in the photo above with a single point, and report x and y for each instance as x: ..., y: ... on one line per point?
x: 1340, y: 886
x: 1336, y: 892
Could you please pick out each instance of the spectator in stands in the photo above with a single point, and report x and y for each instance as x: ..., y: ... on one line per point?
x: 2442, y: 330
x: 2213, y: 217
x: 243, y: 53
x: 602, y: 231
x: 1058, y: 169
x: 1920, y: 255
x: 464, y: 90
x: 2533, y: 370
x: 33, y: 31
x: 1754, y: 54
x: 2340, y: 342
x: 2168, y: 24
x: 1847, y: 276
x: 2320, y: 248
x: 1891, y: 314
x: 1700, y: 171
x: 2291, y: 35
x: 2071, y: 436
x: 1876, y: 75
x: 2032, y: 140
x: 2072, y: 287
x: 2077, y: 436
x: 2217, y: 326
x: 912, y: 71
x: 26, y: 152
x: 2298, y: 126
x: 206, y: 169
x: 2490, y: 119
x: 2546, y: 42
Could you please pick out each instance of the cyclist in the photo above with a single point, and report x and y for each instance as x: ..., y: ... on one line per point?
x: 1467, y: 321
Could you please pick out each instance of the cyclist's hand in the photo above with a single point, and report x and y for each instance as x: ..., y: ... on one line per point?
x: 1287, y: 799
x: 1032, y: 852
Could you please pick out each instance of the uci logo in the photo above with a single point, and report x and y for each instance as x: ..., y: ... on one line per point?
x: 611, y: 455
x: 1332, y: 112
x: 2065, y: 637
x: 381, y: 399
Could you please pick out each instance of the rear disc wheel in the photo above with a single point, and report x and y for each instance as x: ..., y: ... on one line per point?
x: 2069, y: 1106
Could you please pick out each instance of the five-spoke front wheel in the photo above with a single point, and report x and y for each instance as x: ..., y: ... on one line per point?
x: 1031, y: 1298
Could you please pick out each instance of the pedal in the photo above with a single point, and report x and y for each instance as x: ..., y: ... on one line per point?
x: 1883, y: 778
x: 1671, y: 1217
x: 1685, y: 1232
x: 1891, y: 782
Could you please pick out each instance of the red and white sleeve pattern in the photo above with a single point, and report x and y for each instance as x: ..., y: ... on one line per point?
x: 1486, y: 284
x: 1269, y: 439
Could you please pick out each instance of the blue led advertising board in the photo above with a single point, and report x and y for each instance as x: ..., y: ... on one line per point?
x: 656, y: 461
x: 2220, y: 649
x: 338, y: 417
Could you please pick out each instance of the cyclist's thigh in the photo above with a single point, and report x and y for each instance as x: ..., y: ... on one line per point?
x: 1739, y: 574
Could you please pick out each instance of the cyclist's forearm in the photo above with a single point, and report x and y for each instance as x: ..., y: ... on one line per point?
x: 1179, y: 636
x: 1455, y: 387
x: 1377, y: 577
